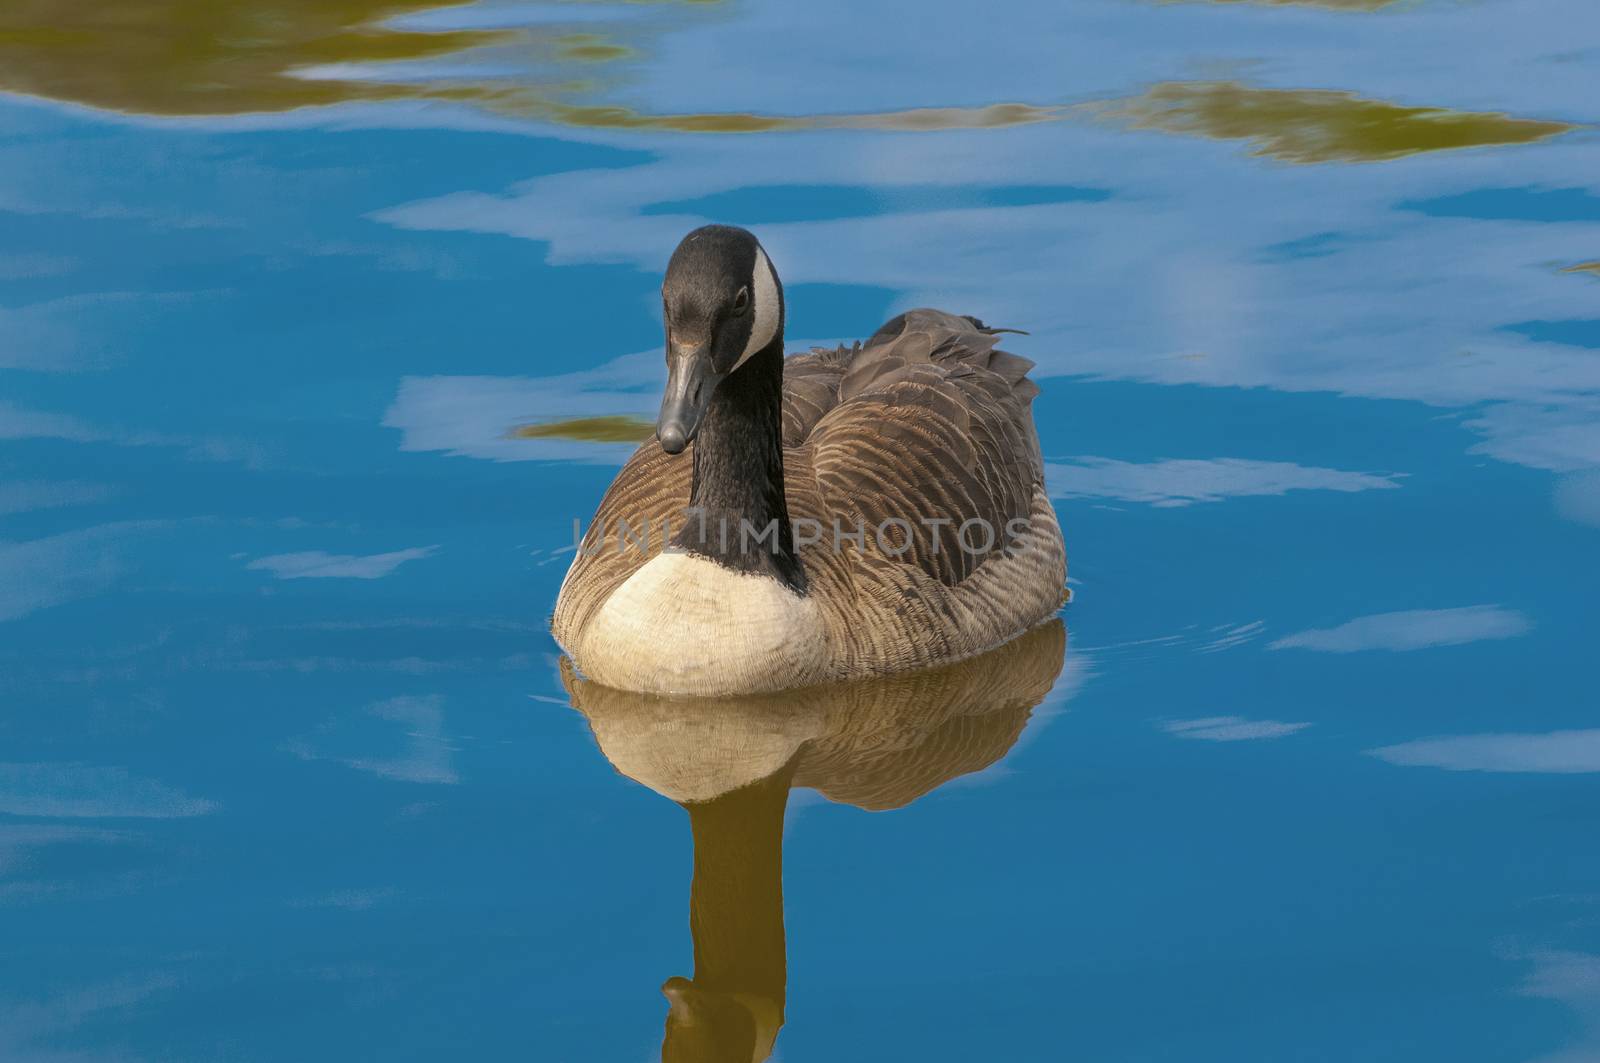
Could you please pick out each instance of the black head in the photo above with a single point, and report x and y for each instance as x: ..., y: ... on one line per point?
x: 722, y: 303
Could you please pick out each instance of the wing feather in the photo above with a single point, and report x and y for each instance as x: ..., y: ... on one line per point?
x: 650, y: 492
x: 932, y: 424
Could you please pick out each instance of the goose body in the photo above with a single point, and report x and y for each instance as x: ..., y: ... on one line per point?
x: 830, y: 516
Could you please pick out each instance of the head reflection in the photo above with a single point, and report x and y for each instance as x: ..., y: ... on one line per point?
x: 730, y: 762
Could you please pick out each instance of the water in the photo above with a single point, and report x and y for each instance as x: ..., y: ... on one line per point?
x: 297, y: 407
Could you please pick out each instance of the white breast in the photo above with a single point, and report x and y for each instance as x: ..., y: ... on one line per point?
x: 686, y: 625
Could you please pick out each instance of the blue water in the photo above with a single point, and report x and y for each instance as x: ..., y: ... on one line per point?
x: 287, y: 769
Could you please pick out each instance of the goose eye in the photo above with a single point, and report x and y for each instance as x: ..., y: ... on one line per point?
x: 741, y: 302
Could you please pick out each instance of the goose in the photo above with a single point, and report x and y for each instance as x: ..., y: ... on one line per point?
x: 836, y: 515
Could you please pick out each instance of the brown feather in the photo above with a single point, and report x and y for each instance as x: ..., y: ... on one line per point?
x: 927, y: 420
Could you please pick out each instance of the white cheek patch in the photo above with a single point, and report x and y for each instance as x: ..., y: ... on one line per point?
x: 765, y: 325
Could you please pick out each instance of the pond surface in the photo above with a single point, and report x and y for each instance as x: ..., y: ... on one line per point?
x: 321, y: 323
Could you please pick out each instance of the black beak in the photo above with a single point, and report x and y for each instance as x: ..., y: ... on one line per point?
x: 690, y: 382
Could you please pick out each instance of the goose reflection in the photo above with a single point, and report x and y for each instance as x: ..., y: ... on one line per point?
x: 731, y: 762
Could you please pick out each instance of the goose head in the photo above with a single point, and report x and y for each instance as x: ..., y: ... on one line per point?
x: 722, y: 304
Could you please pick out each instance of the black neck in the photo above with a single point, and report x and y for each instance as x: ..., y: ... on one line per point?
x: 737, y: 493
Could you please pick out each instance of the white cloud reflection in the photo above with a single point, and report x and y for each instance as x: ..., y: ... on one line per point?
x: 1557, y: 753
x: 1578, y: 498
x: 1412, y: 629
x: 29, y: 1025
x: 45, y: 572
x: 1203, y: 266
x: 73, y: 331
x: 1186, y: 481
x: 473, y: 416
x: 19, y: 422
x: 1573, y: 979
x: 1230, y: 728
x: 318, y: 564
x: 23, y: 496
x: 18, y: 843
x: 26, y: 265
x: 67, y: 791
x: 426, y: 754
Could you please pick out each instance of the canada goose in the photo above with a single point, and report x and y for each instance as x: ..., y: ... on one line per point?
x: 731, y: 761
x: 830, y: 516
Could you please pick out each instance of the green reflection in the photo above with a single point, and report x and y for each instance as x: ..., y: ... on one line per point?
x: 1337, y: 5
x: 203, y: 57
x: 196, y: 57
x: 731, y: 762
x: 1318, y: 125
x: 212, y: 57
x: 612, y: 428
x: 922, y: 119
x: 591, y: 48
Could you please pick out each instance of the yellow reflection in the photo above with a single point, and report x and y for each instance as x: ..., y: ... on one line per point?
x: 209, y: 56
x: 612, y: 428
x: 1318, y: 125
x: 1337, y: 5
x: 730, y: 762
x: 1585, y: 267
x: 918, y: 119
x: 591, y: 48
x: 213, y: 57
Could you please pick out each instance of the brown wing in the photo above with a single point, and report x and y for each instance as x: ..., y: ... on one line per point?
x: 811, y: 389
x: 932, y: 423
x: 628, y: 529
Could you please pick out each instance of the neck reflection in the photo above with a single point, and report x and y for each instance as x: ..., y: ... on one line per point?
x: 732, y: 1008
x: 731, y: 762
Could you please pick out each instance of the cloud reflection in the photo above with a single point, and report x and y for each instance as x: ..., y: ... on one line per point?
x: 1185, y: 482
x: 1578, y: 498
x: 19, y: 422
x: 1573, y: 979
x: 1231, y: 729
x: 489, y: 417
x: 1558, y: 752
x: 426, y: 754
x: 27, y: 1026
x: 61, y: 568
x: 62, y: 791
x: 1199, y: 269
x: 319, y: 564
x: 1412, y: 629
x: 18, y: 843
x: 23, y: 496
